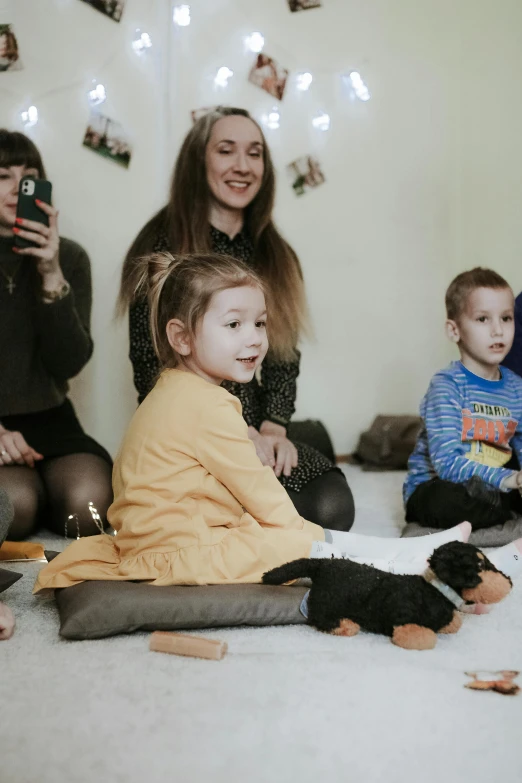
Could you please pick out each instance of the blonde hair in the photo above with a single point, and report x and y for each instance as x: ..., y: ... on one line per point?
x: 181, y: 287
x: 184, y: 220
x: 464, y: 284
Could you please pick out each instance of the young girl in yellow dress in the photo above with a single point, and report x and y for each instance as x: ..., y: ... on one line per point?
x: 192, y: 502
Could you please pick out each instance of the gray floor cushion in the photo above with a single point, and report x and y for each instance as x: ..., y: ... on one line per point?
x: 499, y: 535
x: 92, y: 610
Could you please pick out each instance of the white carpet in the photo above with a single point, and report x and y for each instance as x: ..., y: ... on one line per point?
x: 285, y: 704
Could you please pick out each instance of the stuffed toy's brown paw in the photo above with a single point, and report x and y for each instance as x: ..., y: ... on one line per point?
x: 347, y: 628
x: 414, y: 637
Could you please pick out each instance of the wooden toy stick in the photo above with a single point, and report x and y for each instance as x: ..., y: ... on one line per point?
x: 180, y: 644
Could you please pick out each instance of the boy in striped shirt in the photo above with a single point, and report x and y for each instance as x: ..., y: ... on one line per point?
x: 466, y: 463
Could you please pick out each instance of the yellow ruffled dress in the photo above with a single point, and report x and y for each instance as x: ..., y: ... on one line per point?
x: 192, y: 502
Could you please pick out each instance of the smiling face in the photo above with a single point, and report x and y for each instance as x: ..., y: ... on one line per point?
x: 9, y: 182
x: 485, y: 329
x: 234, y: 162
x: 230, y: 341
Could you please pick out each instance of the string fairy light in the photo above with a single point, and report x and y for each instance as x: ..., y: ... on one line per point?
x: 141, y: 42
x: 321, y: 121
x: 303, y: 81
x: 272, y: 120
x: 70, y: 518
x: 181, y: 15
x: 29, y: 117
x: 222, y: 76
x: 95, y: 516
x: 97, y: 94
x: 255, y: 42
x: 359, y: 88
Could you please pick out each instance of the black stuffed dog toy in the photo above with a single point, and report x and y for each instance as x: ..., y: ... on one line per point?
x: 346, y: 597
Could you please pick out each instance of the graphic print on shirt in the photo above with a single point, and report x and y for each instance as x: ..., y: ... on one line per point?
x: 488, y: 430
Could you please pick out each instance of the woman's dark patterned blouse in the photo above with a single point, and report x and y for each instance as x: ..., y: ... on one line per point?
x: 271, y: 398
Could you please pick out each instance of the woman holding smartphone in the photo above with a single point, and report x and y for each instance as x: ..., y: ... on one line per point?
x: 48, y: 466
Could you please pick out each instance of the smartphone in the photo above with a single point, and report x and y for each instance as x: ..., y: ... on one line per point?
x: 29, y: 190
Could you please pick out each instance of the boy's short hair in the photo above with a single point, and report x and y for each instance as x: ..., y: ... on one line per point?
x: 464, y: 284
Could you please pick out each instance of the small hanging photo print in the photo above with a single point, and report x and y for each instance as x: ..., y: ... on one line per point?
x: 304, y: 174
x: 197, y: 114
x: 112, y: 8
x: 108, y: 138
x: 9, y: 55
x: 303, y: 5
x: 269, y: 75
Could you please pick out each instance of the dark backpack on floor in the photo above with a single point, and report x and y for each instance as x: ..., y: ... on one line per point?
x: 388, y: 443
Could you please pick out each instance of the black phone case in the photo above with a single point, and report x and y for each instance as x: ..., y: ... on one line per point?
x: 28, y: 209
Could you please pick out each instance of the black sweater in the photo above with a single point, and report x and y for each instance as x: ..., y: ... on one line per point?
x: 41, y: 345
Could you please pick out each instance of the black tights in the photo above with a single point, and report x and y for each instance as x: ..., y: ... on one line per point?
x: 443, y: 504
x: 326, y: 500
x: 6, y: 515
x: 65, y: 485
x: 57, y: 487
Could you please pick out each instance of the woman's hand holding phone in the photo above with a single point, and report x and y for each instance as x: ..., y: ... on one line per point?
x: 46, y: 244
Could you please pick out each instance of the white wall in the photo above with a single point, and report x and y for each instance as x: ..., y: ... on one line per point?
x: 490, y: 186
x: 422, y: 181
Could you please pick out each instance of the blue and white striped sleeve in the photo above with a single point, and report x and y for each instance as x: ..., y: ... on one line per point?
x: 443, y: 418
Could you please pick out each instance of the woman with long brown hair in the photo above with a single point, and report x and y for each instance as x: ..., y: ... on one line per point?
x: 221, y: 201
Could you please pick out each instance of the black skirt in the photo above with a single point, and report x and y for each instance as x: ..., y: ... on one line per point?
x: 55, y: 432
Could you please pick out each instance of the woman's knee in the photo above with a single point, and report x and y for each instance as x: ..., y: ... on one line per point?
x: 74, y: 487
x: 25, y: 491
x: 6, y: 514
x: 72, y: 511
x: 336, y: 503
x: 327, y: 500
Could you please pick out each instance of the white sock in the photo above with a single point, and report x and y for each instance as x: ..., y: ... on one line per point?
x: 508, y: 559
x: 415, y: 567
x: 355, y: 545
x: 324, y: 549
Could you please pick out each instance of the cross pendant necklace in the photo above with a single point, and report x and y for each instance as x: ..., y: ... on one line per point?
x: 11, y: 285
